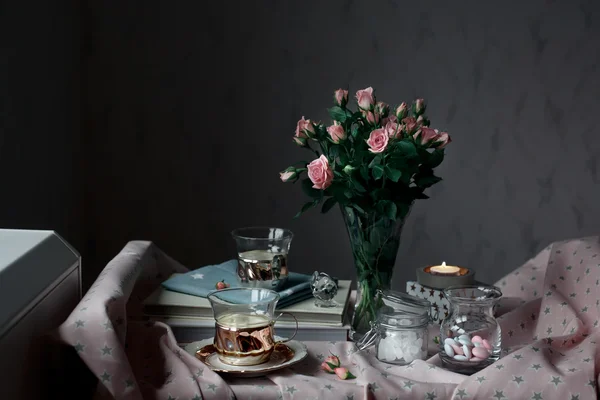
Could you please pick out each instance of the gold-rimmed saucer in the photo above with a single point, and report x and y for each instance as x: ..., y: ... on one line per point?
x: 284, y: 355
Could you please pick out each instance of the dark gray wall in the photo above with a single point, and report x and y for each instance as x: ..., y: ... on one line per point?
x: 189, y: 110
x: 194, y: 107
x: 42, y: 182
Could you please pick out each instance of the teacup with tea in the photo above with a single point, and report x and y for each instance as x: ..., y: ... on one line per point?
x: 244, y: 320
x: 262, y: 256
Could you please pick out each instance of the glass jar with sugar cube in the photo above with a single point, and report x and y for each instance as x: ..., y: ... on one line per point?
x: 400, y: 333
x: 470, y: 336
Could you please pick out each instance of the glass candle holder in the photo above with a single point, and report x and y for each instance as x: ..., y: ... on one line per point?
x: 470, y: 335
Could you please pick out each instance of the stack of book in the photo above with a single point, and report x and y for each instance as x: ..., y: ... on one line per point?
x: 191, y: 318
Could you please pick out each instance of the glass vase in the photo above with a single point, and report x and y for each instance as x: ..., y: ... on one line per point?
x: 470, y: 335
x: 374, y: 240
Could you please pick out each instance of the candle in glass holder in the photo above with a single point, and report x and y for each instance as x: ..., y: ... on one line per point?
x: 444, y: 269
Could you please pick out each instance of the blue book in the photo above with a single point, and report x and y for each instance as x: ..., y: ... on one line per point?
x: 202, y: 281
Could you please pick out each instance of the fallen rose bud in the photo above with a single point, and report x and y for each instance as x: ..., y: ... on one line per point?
x: 333, y: 360
x: 343, y: 373
x: 328, y: 367
x: 222, y: 285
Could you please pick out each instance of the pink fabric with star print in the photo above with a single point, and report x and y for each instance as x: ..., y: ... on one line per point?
x: 550, y: 317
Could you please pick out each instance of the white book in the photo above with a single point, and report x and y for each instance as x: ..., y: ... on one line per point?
x: 174, y: 305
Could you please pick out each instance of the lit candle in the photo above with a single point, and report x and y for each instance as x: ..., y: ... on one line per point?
x: 445, y: 269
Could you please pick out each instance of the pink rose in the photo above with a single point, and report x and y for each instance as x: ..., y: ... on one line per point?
x: 365, y: 98
x: 304, y: 127
x: 341, y: 97
x: 401, y: 111
x: 426, y: 135
x: 378, y: 140
x: 419, y: 106
x: 371, y: 118
x: 411, y: 124
x: 442, y: 140
x: 288, y: 174
x: 336, y: 132
x: 391, y: 118
x: 393, y: 130
x: 320, y: 173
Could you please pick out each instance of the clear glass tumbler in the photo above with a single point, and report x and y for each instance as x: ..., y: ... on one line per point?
x: 262, y: 256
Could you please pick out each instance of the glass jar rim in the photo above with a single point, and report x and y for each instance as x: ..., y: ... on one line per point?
x: 490, y: 293
x: 244, y: 233
x: 217, y: 295
x: 416, y: 320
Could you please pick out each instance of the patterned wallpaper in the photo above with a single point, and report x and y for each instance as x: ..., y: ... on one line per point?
x: 191, y: 108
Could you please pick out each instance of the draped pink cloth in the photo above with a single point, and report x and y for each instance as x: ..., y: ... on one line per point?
x: 550, y: 317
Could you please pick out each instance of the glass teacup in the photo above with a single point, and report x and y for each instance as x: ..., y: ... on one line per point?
x: 244, y: 319
x: 262, y: 256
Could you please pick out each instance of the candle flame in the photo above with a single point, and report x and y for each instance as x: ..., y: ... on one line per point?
x: 443, y: 264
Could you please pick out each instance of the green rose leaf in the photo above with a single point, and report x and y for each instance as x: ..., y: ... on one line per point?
x: 306, y: 207
x: 328, y: 204
x: 364, y: 172
x: 337, y: 113
x: 435, y: 158
x: 377, y: 172
x: 310, y: 191
x: 334, y: 151
x: 406, y: 149
x: 390, y: 210
x: 375, y: 161
x: 426, y: 178
x: 392, y: 174
x: 358, y: 186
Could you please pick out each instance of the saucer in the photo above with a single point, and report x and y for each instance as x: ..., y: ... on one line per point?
x: 284, y: 355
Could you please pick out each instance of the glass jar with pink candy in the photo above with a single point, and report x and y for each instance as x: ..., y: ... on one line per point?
x: 470, y: 335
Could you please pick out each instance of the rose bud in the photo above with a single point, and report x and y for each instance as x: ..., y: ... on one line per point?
x: 365, y: 98
x: 442, y: 140
x: 425, y: 135
x: 423, y: 120
x: 343, y: 373
x: 341, y: 97
x: 371, y: 118
x: 336, y: 132
x: 300, y: 141
x: 401, y: 111
x: 327, y: 368
x: 289, y: 174
x: 419, y: 106
x: 382, y: 109
x: 333, y: 360
x: 304, y: 128
x: 411, y: 124
x: 348, y: 169
x: 221, y: 285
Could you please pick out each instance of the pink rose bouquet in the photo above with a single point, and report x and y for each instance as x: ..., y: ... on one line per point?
x: 369, y: 149
x: 374, y: 162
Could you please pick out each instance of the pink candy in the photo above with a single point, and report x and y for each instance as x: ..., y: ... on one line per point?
x: 465, y: 348
x: 480, y: 352
x: 457, y: 349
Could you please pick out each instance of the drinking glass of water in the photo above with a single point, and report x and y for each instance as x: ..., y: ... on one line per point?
x: 262, y: 256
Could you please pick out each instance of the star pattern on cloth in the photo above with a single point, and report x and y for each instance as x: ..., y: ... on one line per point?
x: 409, y: 384
x: 518, y: 380
x: 105, y: 377
x: 461, y: 393
x: 556, y: 381
x: 291, y: 389
x: 430, y: 396
x: 537, y: 396
x: 79, y: 323
x: 79, y: 347
x: 499, y: 394
x: 197, y: 276
x: 106, y: 351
